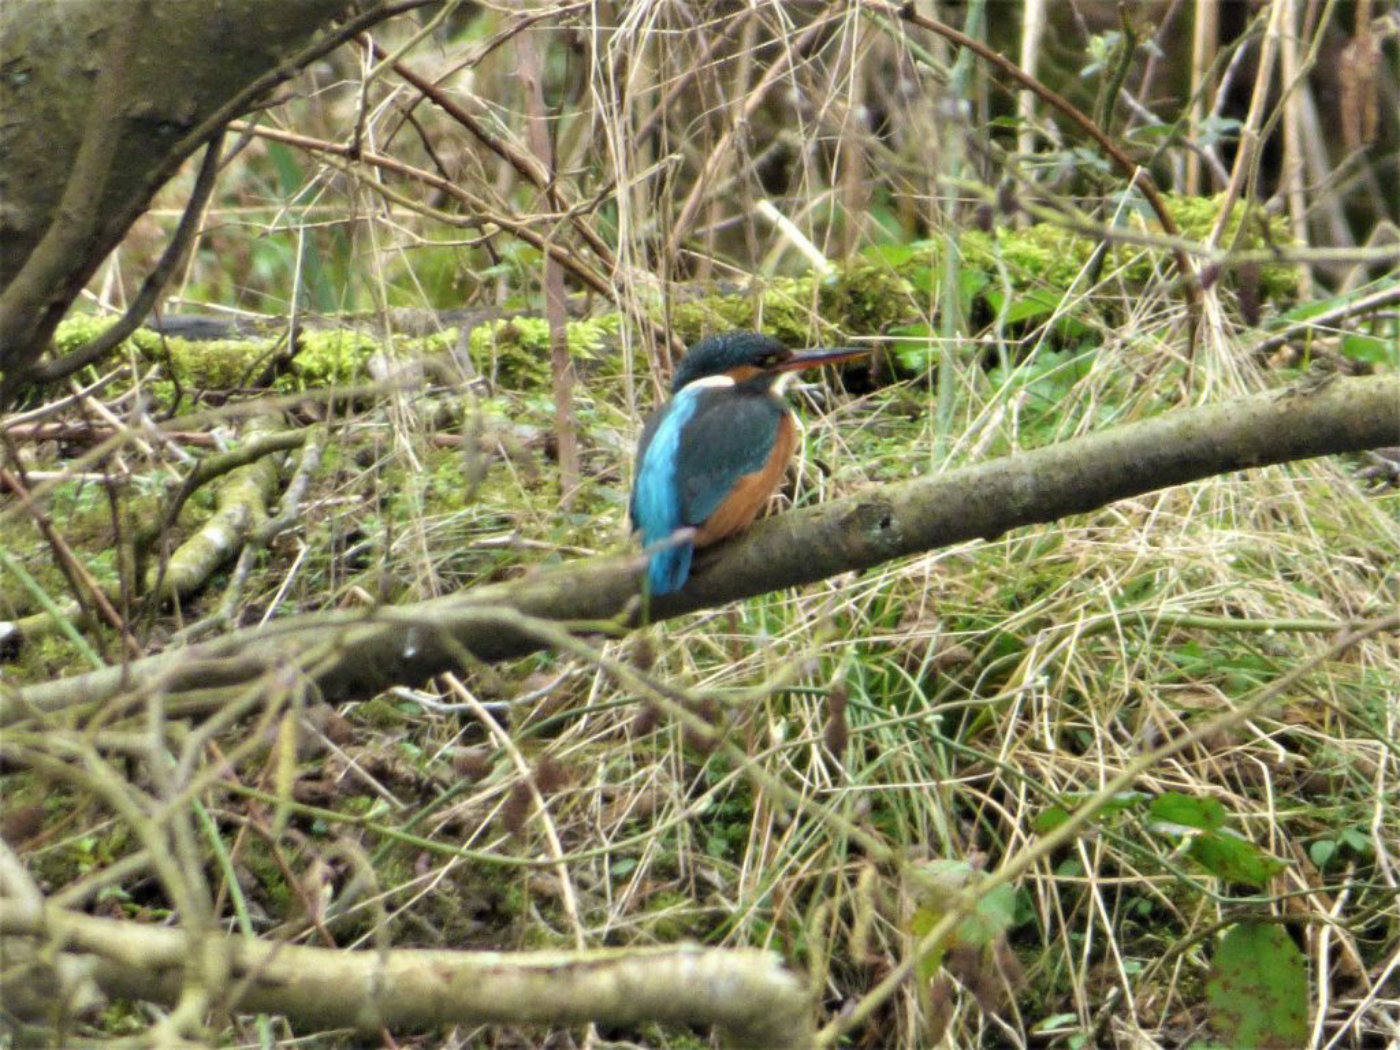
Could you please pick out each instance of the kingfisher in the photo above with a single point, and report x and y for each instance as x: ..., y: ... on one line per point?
x: 711, y: 456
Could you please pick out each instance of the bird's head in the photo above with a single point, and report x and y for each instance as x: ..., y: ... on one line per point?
x: 741, y: 355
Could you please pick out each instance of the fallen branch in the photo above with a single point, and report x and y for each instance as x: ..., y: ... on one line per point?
x: 746, y: 993
x: 356, y: 655
x: 246, y: 478
x: 247, y: 486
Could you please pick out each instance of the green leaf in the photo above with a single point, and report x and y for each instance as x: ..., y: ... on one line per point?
x: 892, y: 255
x: 1054, y: 1022
x: 1029, y: 305
x: 1322, y: 851
x: 970, y: 282
x: 1152, y: 133
x: 1234, y: 859
x: 923, y: 920
x: 1175, y: 808
x: 912, y: 351
x: 1368, y: 348
x: 623, y: 867
x: 1313, y: 307
x: 1047, y: 820
x: 938, y: 889
x: 1356, y: 841
x: 994, y: 915
x: 1258, y: 989
x: 1052, y: 817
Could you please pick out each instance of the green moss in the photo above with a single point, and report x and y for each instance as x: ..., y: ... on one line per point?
x: 1048, y: 259
x: 81, y: 855
x: 1249, y: 228
x: 515, y: 351
x: 863, y: 299
x: 866, y: 298
x: 329, y: 358
x: 277, y: 896
x: 670, y: 916
x: 77, y: 330
x: 208, y: 364
x: 380, y: 714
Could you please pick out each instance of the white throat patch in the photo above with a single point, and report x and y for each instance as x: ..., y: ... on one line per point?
x: 710, y: 381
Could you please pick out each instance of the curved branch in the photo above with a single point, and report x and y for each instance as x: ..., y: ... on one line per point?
x: 359, y: 654
x: 181, y: 89
x: 154, y: 284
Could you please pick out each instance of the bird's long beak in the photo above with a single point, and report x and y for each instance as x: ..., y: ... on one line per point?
x: 829, y: 355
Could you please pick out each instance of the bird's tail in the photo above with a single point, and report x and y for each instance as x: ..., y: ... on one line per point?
x: 670, y: 567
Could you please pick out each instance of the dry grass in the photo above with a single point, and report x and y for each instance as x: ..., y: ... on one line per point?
x: 942, y: 705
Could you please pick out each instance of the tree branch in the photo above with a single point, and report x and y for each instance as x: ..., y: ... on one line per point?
x: 359, y: 654
x: 176, y: 98
x: 747, y: 993
x: 42, y: 277
x: 155, y: 281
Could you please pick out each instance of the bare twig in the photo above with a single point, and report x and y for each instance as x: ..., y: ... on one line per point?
x: 555, y: 306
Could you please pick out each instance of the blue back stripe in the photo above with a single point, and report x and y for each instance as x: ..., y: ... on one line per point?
x: 656, y: 499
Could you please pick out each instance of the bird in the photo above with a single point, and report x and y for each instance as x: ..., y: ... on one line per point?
x: 710, y: 457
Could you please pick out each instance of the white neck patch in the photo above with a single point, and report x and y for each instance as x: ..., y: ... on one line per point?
x: 710, y: 381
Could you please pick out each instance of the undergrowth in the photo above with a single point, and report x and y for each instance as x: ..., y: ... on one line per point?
x: 955, y: 705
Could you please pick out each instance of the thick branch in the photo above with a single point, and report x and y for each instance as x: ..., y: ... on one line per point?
x: 360, y: 654
x: 77, y: 215
x: 746, y: 993
x: 184, y: 80
x: 154, y: 283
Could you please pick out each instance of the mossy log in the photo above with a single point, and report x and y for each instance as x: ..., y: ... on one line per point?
x: 871, y: 294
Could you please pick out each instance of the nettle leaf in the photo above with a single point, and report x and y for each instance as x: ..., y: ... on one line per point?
x: 1224, y: 853
x: 994, y: 915
x: 1258, y: 989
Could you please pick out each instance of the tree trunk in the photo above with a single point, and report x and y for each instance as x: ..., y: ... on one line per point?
x: 100, y: 103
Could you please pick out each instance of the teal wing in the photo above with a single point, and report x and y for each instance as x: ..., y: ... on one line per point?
x: 730, y: 434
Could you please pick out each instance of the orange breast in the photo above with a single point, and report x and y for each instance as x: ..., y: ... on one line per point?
x: 750, y: 494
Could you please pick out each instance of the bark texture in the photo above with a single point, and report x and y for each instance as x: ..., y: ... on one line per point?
x: 748, y: 994
x: 189, y: 58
